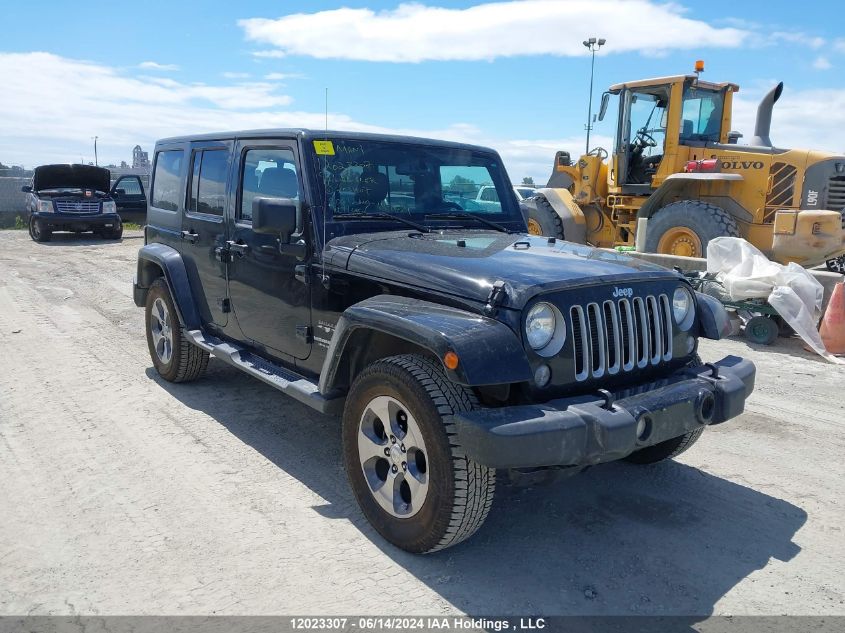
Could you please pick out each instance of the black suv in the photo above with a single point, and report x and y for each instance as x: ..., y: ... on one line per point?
x: 75, y: 198
x: 355, y: 273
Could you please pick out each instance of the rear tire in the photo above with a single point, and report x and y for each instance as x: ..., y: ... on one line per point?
x: 684, y: 228
x: 541, y: 217
x: 174, y: 358
x: 438, y: 497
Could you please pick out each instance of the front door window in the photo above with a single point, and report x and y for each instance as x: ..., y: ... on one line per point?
x: 645, y: 136
x: 271, y: 305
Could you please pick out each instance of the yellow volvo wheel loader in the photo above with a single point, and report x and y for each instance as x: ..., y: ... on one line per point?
x: 676, y: 178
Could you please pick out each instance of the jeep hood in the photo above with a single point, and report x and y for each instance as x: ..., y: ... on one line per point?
x: 467, y: 264
x: 71, y: 177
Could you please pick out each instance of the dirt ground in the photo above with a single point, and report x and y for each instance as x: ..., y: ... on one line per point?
x: 123, y: 494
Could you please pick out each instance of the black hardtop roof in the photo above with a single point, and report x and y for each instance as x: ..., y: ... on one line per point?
x: 316, y: 135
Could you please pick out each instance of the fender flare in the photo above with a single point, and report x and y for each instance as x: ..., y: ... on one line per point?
x: 570, y: 214
x: 674, y: 184
x: 171, y: 266
x: 489, y: 352
x: 712, y: 317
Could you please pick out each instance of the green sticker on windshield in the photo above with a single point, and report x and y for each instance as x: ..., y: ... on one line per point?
x: 324, y: 148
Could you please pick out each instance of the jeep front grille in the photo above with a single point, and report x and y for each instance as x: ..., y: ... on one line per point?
x: 73, y: 206
x: 619, y: 336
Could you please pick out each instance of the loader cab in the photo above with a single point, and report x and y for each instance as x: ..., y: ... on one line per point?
x: 656, y: 116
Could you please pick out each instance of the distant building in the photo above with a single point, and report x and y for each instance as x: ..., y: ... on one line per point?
x: 140, y: 158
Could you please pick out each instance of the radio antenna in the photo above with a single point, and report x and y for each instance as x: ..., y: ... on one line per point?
x: 325, y: 194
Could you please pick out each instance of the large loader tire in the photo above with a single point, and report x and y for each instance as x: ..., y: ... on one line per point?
x: 542, y: 218
x: 684, y: 228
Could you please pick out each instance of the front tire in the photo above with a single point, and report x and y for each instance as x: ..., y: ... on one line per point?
x: 174, y: 358
x: 670, y: 448
x: 112, y: 234
x: 37, y: 233
x: 684, y: 228
x: 410, y: 476
x: 542, y: 218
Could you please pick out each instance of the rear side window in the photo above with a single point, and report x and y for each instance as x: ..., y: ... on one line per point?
x: 166, y: 180
x: 208, y: 182
x: 130, y: 186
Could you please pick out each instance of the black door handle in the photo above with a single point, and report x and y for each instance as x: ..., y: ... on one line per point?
x: 190, y: 236
x: 239, y: 249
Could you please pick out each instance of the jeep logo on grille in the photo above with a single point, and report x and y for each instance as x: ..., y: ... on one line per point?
x: 623, y: 292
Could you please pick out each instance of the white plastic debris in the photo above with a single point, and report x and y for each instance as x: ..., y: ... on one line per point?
x: 791, y: 290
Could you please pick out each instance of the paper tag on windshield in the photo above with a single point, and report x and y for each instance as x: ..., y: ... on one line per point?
x: 324, y: 148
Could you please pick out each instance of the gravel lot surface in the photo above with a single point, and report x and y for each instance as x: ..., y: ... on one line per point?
x: 123, y: 494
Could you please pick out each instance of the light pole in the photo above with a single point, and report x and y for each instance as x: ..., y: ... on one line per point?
x: 96, y: 162
x: 593, y: 45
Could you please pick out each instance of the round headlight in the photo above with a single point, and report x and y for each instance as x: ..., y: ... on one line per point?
x: 540, y: 325
x: 681, y: 305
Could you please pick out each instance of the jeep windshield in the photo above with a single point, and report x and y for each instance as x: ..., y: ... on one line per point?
x: 429, y: 185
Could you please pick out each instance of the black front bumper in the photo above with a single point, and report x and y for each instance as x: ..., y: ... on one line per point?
x: 77, y: 222
x: 589, y: 430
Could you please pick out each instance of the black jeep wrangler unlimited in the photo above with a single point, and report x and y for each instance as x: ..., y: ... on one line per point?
x: 355, y: 273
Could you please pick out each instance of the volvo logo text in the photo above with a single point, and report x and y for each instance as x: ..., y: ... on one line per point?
x: 623, y: 292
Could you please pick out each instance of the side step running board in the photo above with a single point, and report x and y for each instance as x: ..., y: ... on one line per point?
x: 283, y: 379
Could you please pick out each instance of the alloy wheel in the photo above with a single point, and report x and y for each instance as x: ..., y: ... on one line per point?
x: 393, y: 457
x: 160, y: 328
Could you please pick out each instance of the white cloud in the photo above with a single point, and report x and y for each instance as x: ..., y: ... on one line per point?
x: 822, y: 63
x: 839, y: 45
x: 123, y: 110
x: 277, y: 76
x: 268, y: 54
x: 157, y: 66
x: 795, y: 37
x: 231, y: 75
x: 416, y: 32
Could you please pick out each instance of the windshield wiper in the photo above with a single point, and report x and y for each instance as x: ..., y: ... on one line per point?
x: 457, y: 215
x: 381, y: 216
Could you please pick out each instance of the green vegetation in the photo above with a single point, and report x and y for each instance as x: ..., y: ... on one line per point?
x: 7, y: 225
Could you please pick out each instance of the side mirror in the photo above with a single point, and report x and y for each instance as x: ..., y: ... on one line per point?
x: 26, y: 189
x: 120, y: 192
x: 275, y: 216
x: 605, y: 98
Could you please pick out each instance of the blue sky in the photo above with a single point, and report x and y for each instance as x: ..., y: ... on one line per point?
x: 513, y: 75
